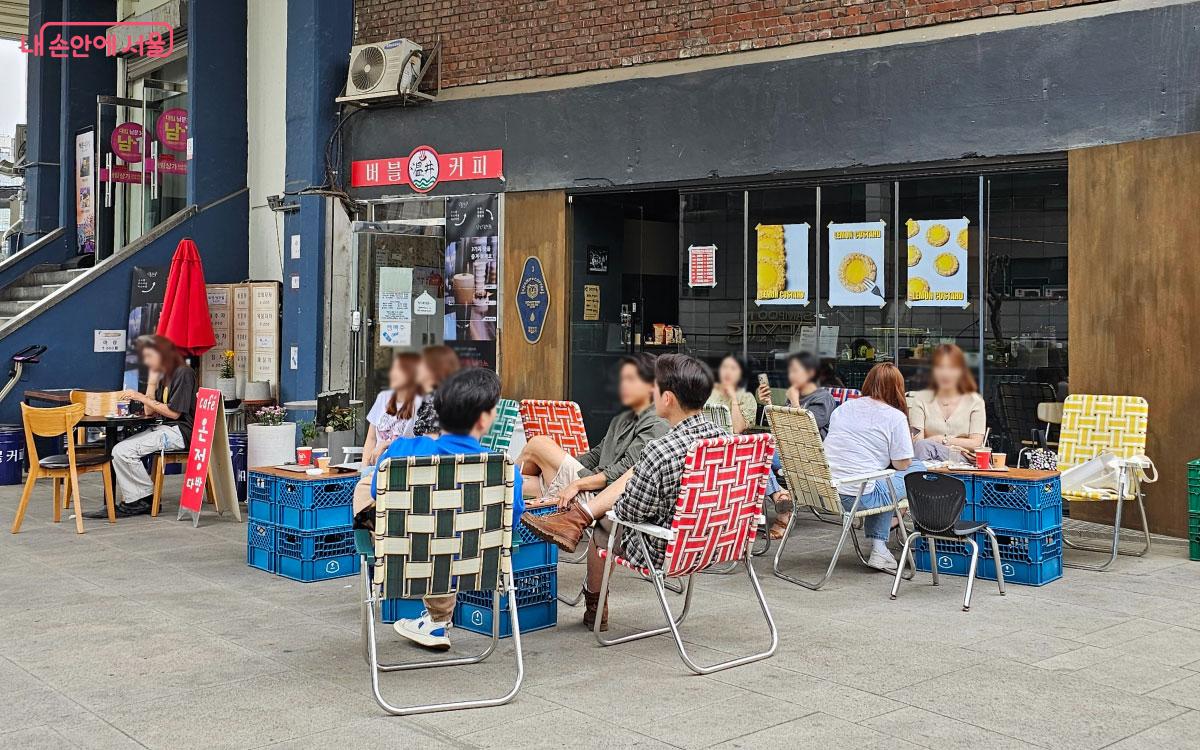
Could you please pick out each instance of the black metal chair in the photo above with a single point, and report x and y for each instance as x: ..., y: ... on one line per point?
x: 936, y: 502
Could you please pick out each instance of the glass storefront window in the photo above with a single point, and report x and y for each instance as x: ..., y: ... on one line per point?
x: 711, y: 317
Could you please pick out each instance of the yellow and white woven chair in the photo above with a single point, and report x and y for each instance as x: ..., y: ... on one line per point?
x: 812, y: 485
x: 1092, y: 425
x: 442, y: 524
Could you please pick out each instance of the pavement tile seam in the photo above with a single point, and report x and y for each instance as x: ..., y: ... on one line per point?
x: 949, y: 718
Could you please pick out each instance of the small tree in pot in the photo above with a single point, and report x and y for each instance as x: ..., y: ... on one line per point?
x: 227, y: 381
x: 339, y: 432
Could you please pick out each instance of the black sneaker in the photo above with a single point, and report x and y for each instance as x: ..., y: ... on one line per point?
x: 136, y: 508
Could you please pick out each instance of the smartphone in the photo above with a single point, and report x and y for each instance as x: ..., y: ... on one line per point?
x: 762, y: 380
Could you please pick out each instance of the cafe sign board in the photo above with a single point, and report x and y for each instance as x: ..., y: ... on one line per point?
x: 424, y: 169
x: 533, y: 300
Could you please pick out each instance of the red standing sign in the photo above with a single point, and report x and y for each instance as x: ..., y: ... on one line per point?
x: 208, y: 402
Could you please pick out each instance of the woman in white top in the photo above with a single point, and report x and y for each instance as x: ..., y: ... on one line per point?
x: 949, y: 415
x: 395, y: 410
x: 869, y: 434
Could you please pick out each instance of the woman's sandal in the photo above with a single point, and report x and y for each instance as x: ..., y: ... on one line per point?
x: 783, y: 515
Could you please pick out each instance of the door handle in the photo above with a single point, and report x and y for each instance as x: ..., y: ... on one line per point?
x: 108, y: 186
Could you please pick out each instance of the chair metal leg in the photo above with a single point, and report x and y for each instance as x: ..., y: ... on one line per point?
x: 996, y: 557
x: 933, y: 563
x: 703, y: 670
x: 971, y: 572
x: 656, y: 578
x: 578, y: 557
x: 847, y: 522
x: 377, y: 668
x: 1114, y: 550
x: 905, y: 556
x: 572, y: 602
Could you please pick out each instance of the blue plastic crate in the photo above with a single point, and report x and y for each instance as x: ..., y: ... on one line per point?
x: 260, y: 546
x: 315, y: 555
x: 316, y: 506
x: 391, y: 610
x: 522, y: 534
x: 1028, y: 559
x: 953, y: 558
x: 528, y: 550
x: 537, y: 604
x: 1019, y: 505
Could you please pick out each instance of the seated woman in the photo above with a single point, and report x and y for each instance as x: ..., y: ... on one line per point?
x: 394, y: 413
x: 171, y: 396
x: 869, y: 434
x: 437, y: 364
x: 803, y: 393
x: 950, y: 413
x: 730, y: 391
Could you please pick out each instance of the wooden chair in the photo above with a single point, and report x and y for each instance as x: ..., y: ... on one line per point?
x: 159, y: 470
x: 82, y: 444
x: 66, y: 467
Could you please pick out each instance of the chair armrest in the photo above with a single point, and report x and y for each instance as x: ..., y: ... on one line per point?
x: 857, y: 478
x: 649, y: 529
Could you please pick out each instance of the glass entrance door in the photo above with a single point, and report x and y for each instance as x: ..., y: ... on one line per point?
x: 120, y: 156
x: 164, y: 120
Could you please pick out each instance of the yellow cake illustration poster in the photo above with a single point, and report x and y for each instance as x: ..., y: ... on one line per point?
x: 782, y: 260
x: 937, y: 262
x: 856, y: 270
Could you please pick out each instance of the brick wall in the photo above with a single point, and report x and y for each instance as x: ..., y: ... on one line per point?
x: 497, y: 40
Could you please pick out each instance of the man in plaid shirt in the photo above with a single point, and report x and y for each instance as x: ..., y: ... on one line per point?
x: 682, y: 385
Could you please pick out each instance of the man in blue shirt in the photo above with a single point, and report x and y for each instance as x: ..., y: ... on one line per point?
x: 466, y: 408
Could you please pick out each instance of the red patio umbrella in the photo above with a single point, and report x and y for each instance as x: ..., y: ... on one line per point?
x: 184, y: 318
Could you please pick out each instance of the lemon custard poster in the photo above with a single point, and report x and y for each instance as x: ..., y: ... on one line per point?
x: 937, y: 262
x: 782, y: 264
x: 856, y: 264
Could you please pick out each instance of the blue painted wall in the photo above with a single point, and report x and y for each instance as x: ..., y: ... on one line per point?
x: 217, y: 88
x: 43, y: 102
x: 67, y: 328
x: 319, y: 38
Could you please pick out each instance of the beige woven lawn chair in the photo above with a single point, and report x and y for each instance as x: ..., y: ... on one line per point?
x: 719, y: 415
x: 812, y: 485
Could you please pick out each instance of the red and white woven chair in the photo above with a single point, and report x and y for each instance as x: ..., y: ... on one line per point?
x: 842, y: 395
x: 716, y: 517
x: 560, y: 421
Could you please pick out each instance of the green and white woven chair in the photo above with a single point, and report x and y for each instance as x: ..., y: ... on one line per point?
x: 802, y: 455
x: 442, y: 524
x: 499, y: 438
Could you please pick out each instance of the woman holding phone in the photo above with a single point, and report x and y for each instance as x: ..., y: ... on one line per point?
x: 949, y: 415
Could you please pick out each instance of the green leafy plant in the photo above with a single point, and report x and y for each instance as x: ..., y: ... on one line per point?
x: 339, y: 418
x: 308, y: 432
x: 227, y: 370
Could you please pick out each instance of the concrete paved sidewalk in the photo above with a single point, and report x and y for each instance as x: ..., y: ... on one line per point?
x: 153, y: 634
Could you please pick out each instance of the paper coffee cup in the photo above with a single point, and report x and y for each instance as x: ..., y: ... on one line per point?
x: 999, y: 460
x: 983, y: 458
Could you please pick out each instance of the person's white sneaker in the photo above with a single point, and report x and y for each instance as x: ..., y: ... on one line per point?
x: 425, y: 632
x: 882, y: 560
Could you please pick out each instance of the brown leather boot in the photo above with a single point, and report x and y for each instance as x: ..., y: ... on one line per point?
x: 591, y: 603
x: 564, y: 527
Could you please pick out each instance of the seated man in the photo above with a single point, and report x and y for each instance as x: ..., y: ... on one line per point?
x: 648, y: 492
x: 577, y: 479
x: 466, y: 408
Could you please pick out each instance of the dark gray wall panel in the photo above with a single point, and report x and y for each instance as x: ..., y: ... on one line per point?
x: 1032, y: 90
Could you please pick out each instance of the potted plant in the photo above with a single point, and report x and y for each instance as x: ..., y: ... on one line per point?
x: 309, y: 434
x: 227, y: 381
x: 339, y: 432
x: 270, y: 441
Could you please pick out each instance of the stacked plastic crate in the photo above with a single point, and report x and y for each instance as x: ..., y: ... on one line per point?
x: 301, y: 528
x: 1026, y: 517
x: 1194, y: 509
x: 535, y: 570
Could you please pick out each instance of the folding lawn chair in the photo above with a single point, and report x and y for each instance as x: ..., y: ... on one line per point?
x: 716, y: 516
x: 499, y: 437
x: 812, y: 485
x: 842, y: 395
x: 719, y: 415
x: 442, y: 524
x: 560, y: 421
x: 1092, y: 425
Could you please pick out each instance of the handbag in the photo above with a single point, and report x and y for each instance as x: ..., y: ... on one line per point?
x: 1102, y: 473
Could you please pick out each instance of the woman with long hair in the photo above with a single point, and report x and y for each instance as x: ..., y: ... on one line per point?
x: 171, y: 397
x: 869, y: 434
x: 729, y: 391
x: 394, y: 413
x: 949, y: 414
x: 803, y: 391
x: 437, y: 364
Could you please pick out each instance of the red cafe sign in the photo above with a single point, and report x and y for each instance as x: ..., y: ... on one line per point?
x: 424, y: 168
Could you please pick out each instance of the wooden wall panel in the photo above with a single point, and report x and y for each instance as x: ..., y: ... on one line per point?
x: 535, y: 223
x: 1134, y: 311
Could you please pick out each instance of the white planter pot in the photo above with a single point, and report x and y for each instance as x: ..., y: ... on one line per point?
x: 228, y: 388
x: 270, y: 445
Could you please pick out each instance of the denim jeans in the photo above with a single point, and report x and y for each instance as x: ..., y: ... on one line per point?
x: 879, y: 525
